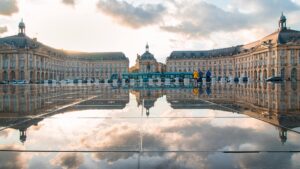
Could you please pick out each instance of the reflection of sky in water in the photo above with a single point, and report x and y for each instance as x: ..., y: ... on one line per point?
x: 167, y: 137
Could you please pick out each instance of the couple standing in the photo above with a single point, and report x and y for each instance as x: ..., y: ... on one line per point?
x: 198, y: 75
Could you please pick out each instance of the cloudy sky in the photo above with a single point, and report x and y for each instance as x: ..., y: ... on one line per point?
x: 127, y: 25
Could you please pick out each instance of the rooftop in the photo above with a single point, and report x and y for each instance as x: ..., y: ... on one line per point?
x: 22, y: 41
x: 280, y: 37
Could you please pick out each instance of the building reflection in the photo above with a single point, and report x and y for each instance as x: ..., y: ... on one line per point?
x: 147, y: 97
x: 24, y: 106
x: 278, y: 104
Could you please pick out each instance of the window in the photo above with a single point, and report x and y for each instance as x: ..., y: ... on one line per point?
x: 282, y: 60
x: 13, y: 62
x: 5, y: 61
x: 292, y: 56
x: 292, y: 52
x: 282, y: 53
x: 21, y: 62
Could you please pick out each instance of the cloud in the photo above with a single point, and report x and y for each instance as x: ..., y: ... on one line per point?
x: 11, y: 160
x: 4, y: 133
x: 270, y: 8
x: 3, y: 29
x: 130, y: 15
x: 68, y: 160
x: 8, y: 7
x: 69, y: 2
x: 199, y: 18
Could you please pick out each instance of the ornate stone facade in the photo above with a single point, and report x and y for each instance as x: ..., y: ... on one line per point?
x: 277, y: 54
x: 23, y: 58
x: 147, y: 63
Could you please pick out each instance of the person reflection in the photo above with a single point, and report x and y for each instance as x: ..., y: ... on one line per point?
x: 195, y: 91
x: 208, y: 89
x: 200, y: 89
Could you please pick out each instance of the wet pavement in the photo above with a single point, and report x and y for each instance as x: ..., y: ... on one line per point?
x: 254, y: 125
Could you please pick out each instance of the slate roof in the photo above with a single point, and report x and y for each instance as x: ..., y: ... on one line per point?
x: 96, y: 56
x: 280, y: 37
x: 147, y: 56
x: 204, y: 53
x: 19, y: 41
x: 22, y: 41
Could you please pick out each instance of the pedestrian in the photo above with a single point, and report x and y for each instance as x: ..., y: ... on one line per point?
x: 200, y: 73
x: 195, y: 76
x: 208, y: 74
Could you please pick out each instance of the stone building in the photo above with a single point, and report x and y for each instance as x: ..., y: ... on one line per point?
x: 147, y: 63
x: 277, y: 54
x: 24, y: 58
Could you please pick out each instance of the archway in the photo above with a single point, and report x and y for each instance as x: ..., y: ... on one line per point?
x: 294, y: 74
x: 22, y: 75
x: 43, y: 76
x: 273, y: 72
x: 259, y: 75
x: 282, y: 73
x: 148, y: 67
x: 264, y: 74
x: 38, y: 76
x: 5, y: 76
x: 12, y: 75
x: 31, y: 76
x: 255, y: 75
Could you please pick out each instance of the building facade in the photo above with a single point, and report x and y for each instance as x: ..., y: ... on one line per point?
x: 23, y: 58
x: 277, y: 54
x: 146, y: 63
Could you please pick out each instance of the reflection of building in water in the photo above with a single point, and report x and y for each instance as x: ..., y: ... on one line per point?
x: 148, y: 96
x: 267, y: 97
x: 18, y: 104
x: 277, y: 104
x: 107, y: 99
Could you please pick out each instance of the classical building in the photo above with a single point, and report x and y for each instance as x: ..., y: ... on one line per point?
x: 147, y: 63
x: 277, y: 54
x: 23, y: 58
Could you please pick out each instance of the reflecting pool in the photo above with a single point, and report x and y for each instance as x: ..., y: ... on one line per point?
x: 254, y: 125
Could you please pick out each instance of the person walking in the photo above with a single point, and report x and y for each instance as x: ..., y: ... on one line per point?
x: 200, y: 73
x: 208, y: 76
x: 196, y: 76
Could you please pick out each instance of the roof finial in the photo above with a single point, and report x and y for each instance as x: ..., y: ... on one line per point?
x: 22, y: 27
x: 147, y: 47
x: 282, y: 22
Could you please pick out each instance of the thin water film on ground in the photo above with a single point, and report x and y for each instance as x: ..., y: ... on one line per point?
x: 255, y: 125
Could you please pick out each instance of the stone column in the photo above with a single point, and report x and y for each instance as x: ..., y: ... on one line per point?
x: 26, y: 66
x: 1, y: 67
x: 17, y: 68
